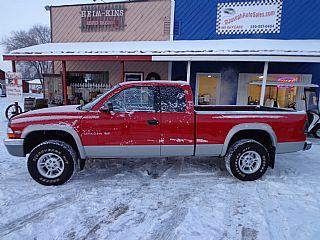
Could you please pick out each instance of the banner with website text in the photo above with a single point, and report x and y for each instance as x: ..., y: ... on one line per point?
x: 257, y: 17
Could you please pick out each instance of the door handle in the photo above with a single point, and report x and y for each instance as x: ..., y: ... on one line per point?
x: 153, y: 122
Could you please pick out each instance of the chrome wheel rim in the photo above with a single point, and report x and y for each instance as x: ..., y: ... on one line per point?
x: 249, y: 162
x: 50, y: 165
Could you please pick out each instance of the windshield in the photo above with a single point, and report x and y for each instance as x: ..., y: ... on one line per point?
x: 89, y: 105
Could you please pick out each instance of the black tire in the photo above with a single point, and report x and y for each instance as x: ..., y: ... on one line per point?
x: 11, y: 112
x: 234, y: 158
x: 57, y: 148
x: 316, y: 131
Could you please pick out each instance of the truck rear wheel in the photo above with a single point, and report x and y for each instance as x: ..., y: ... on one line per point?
x: 247, y: 160
x: 52, y: 163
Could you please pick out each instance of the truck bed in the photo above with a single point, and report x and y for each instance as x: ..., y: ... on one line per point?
x: 244, y: 108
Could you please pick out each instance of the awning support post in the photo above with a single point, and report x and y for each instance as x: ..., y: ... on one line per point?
x: 121, y: 71
x: 52, y: 67
x: 14, y: 69
x: 169, y: 71
x: 188, y: 72
x: 264, y: 83
x: 64, y: 82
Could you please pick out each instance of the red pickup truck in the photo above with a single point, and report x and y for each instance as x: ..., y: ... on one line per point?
x: 153, y: 119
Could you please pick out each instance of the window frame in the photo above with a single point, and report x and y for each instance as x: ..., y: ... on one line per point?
x: 141, y: 74
x: 185, y: 99
x: 156, y: 98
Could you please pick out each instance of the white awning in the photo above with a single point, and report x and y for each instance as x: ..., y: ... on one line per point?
x: 191, y: 50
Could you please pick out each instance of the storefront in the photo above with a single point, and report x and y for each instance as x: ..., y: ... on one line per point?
x: 237, y: 82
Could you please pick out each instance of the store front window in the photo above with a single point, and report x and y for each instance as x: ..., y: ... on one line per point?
x: 86, y: 86
x: 207, y: 89
x: 91, y: 77
x: 278, y: 93
x: 129, y: 77
x: 282, y: 90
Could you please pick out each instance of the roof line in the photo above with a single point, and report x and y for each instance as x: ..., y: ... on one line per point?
x: 100, y: 3
x: 32, y: 57
x: 240, y: 58
x: 165, y: 58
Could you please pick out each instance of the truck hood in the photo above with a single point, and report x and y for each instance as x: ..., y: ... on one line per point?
x: 50, y: 115
x: 55, y: 110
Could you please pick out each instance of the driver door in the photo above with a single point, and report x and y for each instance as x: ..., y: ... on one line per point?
x: 132, y: 129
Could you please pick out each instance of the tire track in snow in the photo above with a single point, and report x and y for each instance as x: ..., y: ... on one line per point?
x: 135, y: 217
x: 165, y: 228
x: 25, y: 198
x: 232, y: 218
x: 36, y: 215
x: 175, y: 169
x: 153, y: 169
x: 280, y: 230
x: 120, y: 208
x: 242, y: 207
x: 113, y: 216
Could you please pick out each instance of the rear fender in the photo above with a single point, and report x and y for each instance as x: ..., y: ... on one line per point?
x: 249, y: 126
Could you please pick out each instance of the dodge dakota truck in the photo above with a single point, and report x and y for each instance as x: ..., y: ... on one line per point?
x: 153, y: 119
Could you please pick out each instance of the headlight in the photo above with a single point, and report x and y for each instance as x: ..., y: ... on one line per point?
x: 10, y: 133
x: 13, y: 134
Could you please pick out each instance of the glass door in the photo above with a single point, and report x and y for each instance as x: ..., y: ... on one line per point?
x: 208, y: 89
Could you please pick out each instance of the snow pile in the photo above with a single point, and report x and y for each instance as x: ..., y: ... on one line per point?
x: 162, y: 199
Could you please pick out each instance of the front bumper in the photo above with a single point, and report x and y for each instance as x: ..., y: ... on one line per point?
x: 15, y: 147
x: 307, y: 146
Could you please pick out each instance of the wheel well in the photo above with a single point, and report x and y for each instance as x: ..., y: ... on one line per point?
x: 261, y: 137
x: 35, y: 138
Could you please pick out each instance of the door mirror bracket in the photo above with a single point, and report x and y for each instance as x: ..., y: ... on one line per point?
x: 107, y: 108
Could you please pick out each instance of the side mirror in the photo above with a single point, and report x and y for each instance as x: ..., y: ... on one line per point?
x: 108, y: 108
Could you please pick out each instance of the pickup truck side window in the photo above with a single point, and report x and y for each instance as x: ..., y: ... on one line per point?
x: 172, y: 99
x: 134, y: 99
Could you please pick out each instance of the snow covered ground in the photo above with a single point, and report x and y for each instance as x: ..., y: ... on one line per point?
x: 191, y: 198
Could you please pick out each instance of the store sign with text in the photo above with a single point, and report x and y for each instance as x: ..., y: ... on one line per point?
x: 102, y: 17
x: 14, y: 86
x: 256, y: 17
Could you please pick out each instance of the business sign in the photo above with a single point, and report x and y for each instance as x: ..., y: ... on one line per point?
x: 14, y: 86
x: 102, y: 17
x: 256, y: 17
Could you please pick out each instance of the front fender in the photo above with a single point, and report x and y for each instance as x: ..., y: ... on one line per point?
x: 56, y: 127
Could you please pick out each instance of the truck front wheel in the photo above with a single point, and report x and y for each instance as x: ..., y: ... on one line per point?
x: 52, y: 163
x: 247, y: 160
